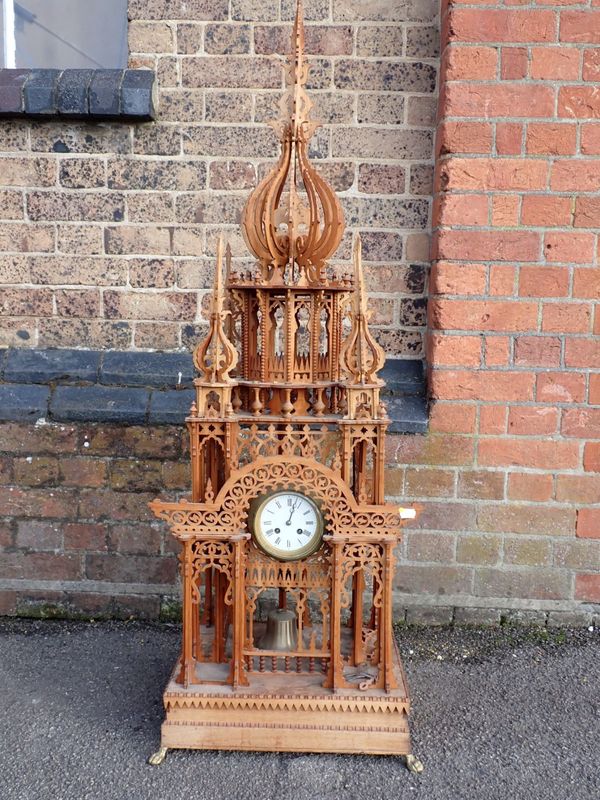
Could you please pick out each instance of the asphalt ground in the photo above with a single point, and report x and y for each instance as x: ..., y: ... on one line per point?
x: 501, y: 713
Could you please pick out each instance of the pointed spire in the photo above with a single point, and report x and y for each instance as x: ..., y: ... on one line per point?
x: 298, y: 74
x: 298, y: 31
x: 359, y: 278
x: 361, y: 357
x: 295, y: 105
x: 298, y: 39
x: 292, y: 233
x: 227, y: 264
x: 216, y: 356
x: 219, y: 269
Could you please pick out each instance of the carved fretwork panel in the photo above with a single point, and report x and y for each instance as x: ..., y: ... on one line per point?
x: 217, y: 555
x: 366, y: 558
x: 363, y: 459
x: 212, y: 446
x: 261, y: 440
x: 287, y: 402
x: 311, y: 573
x: 306, y: 586
x: 286, y: 335
x: 229, y: 510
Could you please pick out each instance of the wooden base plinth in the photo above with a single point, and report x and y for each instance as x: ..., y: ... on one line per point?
x: 288, y: 713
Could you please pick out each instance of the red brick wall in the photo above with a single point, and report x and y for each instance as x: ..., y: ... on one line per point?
x: 76, y: 534
x: 514, y: 320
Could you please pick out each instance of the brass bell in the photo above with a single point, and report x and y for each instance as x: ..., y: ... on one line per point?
x: 282, y: 631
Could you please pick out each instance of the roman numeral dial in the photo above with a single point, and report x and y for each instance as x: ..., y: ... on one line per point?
x: 287, y: 525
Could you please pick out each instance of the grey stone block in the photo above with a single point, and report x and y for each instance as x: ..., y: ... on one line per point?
x: 40, y: 92
x: 524, y: 616
x: 105, y: 92
x: 570, y: 619
x: 12, y: 82
x: 20, y: 401
x: 147, y: 369
x: 138, y: 94
x: 99, y: 404
x: 407, y: 414
x: 477, y: 616
x: 167, y: 408
x: 45, y: 366
x: 429, y: 615
x: 73, y: 89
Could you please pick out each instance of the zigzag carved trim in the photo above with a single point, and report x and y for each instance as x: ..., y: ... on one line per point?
x: 355, y: 705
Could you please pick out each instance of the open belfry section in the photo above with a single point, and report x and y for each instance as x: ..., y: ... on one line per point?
x: 287, y: 546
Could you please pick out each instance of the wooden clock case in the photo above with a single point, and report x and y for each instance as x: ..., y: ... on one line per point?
x: 288, y: 398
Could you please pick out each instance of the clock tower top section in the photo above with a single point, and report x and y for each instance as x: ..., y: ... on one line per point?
x: 293, y: 221
x: 290, y: 339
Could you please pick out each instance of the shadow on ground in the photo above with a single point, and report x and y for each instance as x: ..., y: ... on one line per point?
x: 497, y: 714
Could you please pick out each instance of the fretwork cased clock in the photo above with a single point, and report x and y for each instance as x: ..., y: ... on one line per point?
x: 287, y: 507
x: 286, y: 525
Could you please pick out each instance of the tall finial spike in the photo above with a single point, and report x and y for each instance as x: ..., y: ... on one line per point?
x: 216, y: 356
x: 227, y: 263
x: 361, y: 357
x: 219, y: 270
x: 298, y: 71
x: 299, y: 19
x: 359, y: 278
x: 298, y: 32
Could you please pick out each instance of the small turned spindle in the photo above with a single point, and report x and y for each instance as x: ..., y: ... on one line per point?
x: 236, y: 400
x: 287, y: 407
x: 319, y: 405
x: 257, y: 405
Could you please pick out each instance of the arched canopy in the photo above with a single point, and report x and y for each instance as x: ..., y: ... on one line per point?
x: 226, y: 515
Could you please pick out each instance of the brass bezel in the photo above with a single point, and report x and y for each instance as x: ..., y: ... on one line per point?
x: 266, y: 546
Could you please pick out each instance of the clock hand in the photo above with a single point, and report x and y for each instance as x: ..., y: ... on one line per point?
x: 289, y: 522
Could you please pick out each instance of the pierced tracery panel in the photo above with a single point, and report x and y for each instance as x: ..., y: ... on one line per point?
x: 235, y: 328
x: 309, y: 441
x: 306, y: 585
x: 313, y: 572
x: 367, y: 558
x: 207, y: 554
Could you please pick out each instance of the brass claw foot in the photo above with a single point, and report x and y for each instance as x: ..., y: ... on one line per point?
x: 414, y: 764
x: 158, y: 757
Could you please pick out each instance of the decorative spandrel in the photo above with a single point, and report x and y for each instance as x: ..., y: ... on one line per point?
x: 287, y: 522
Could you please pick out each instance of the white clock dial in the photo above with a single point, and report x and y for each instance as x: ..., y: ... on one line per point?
x: 287, y: 525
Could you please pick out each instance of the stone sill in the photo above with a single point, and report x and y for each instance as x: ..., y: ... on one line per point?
x: 137, y: 388
x: 92, y: 94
